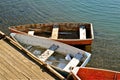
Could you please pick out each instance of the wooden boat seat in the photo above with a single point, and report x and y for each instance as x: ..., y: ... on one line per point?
x: 82, y: 32
x: 74, y: 62
x: 31, y: 33
x: 45, y: 55
x: 55, y: 32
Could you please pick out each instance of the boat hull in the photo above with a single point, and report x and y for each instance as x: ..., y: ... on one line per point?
x: 63, y: 49
x: 64, y: 27
x: 87, y: 73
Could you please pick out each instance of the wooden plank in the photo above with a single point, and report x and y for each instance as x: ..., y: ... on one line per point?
x: 44, y: 56
x: 2, y: 77
x: 55, y: 32
x: 10, y: 72
x: 14, y: 61
x: 7, y: 64
x: 82, y: 32
x: 74, y: 62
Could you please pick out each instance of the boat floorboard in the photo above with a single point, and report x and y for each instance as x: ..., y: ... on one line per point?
x: 14, y: 65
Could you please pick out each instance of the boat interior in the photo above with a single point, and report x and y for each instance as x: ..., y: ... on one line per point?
x: 55, y: 58
x: 58, y: 31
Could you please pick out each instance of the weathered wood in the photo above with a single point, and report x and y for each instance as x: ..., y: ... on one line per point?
x: 55, y: 32
x: 15, y: 58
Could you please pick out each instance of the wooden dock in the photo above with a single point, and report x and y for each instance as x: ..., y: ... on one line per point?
x: 15, y: 65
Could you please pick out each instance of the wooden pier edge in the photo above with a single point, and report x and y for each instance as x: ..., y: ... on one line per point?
x: 32, y: 56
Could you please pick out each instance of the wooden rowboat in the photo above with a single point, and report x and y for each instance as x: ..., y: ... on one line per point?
x: 87, y: 73
x: 69, y: 33
x: 68, y: 56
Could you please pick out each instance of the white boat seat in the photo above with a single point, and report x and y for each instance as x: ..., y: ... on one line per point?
x: 82, y: 32
x: 55, y: 32
x: 74, y: 62
x: 45, y: 55
x: 31, y: 33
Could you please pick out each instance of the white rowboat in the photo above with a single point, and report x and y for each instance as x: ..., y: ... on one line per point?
x: 78, y: 57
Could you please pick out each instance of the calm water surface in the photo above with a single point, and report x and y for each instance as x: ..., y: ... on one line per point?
x: 104, y: 14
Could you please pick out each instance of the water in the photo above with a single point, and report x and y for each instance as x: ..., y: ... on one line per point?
x: 104, y: 14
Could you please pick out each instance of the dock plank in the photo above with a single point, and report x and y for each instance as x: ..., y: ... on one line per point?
x: 16, y: 62
x: 10, y: 72
x: 2, y: 77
